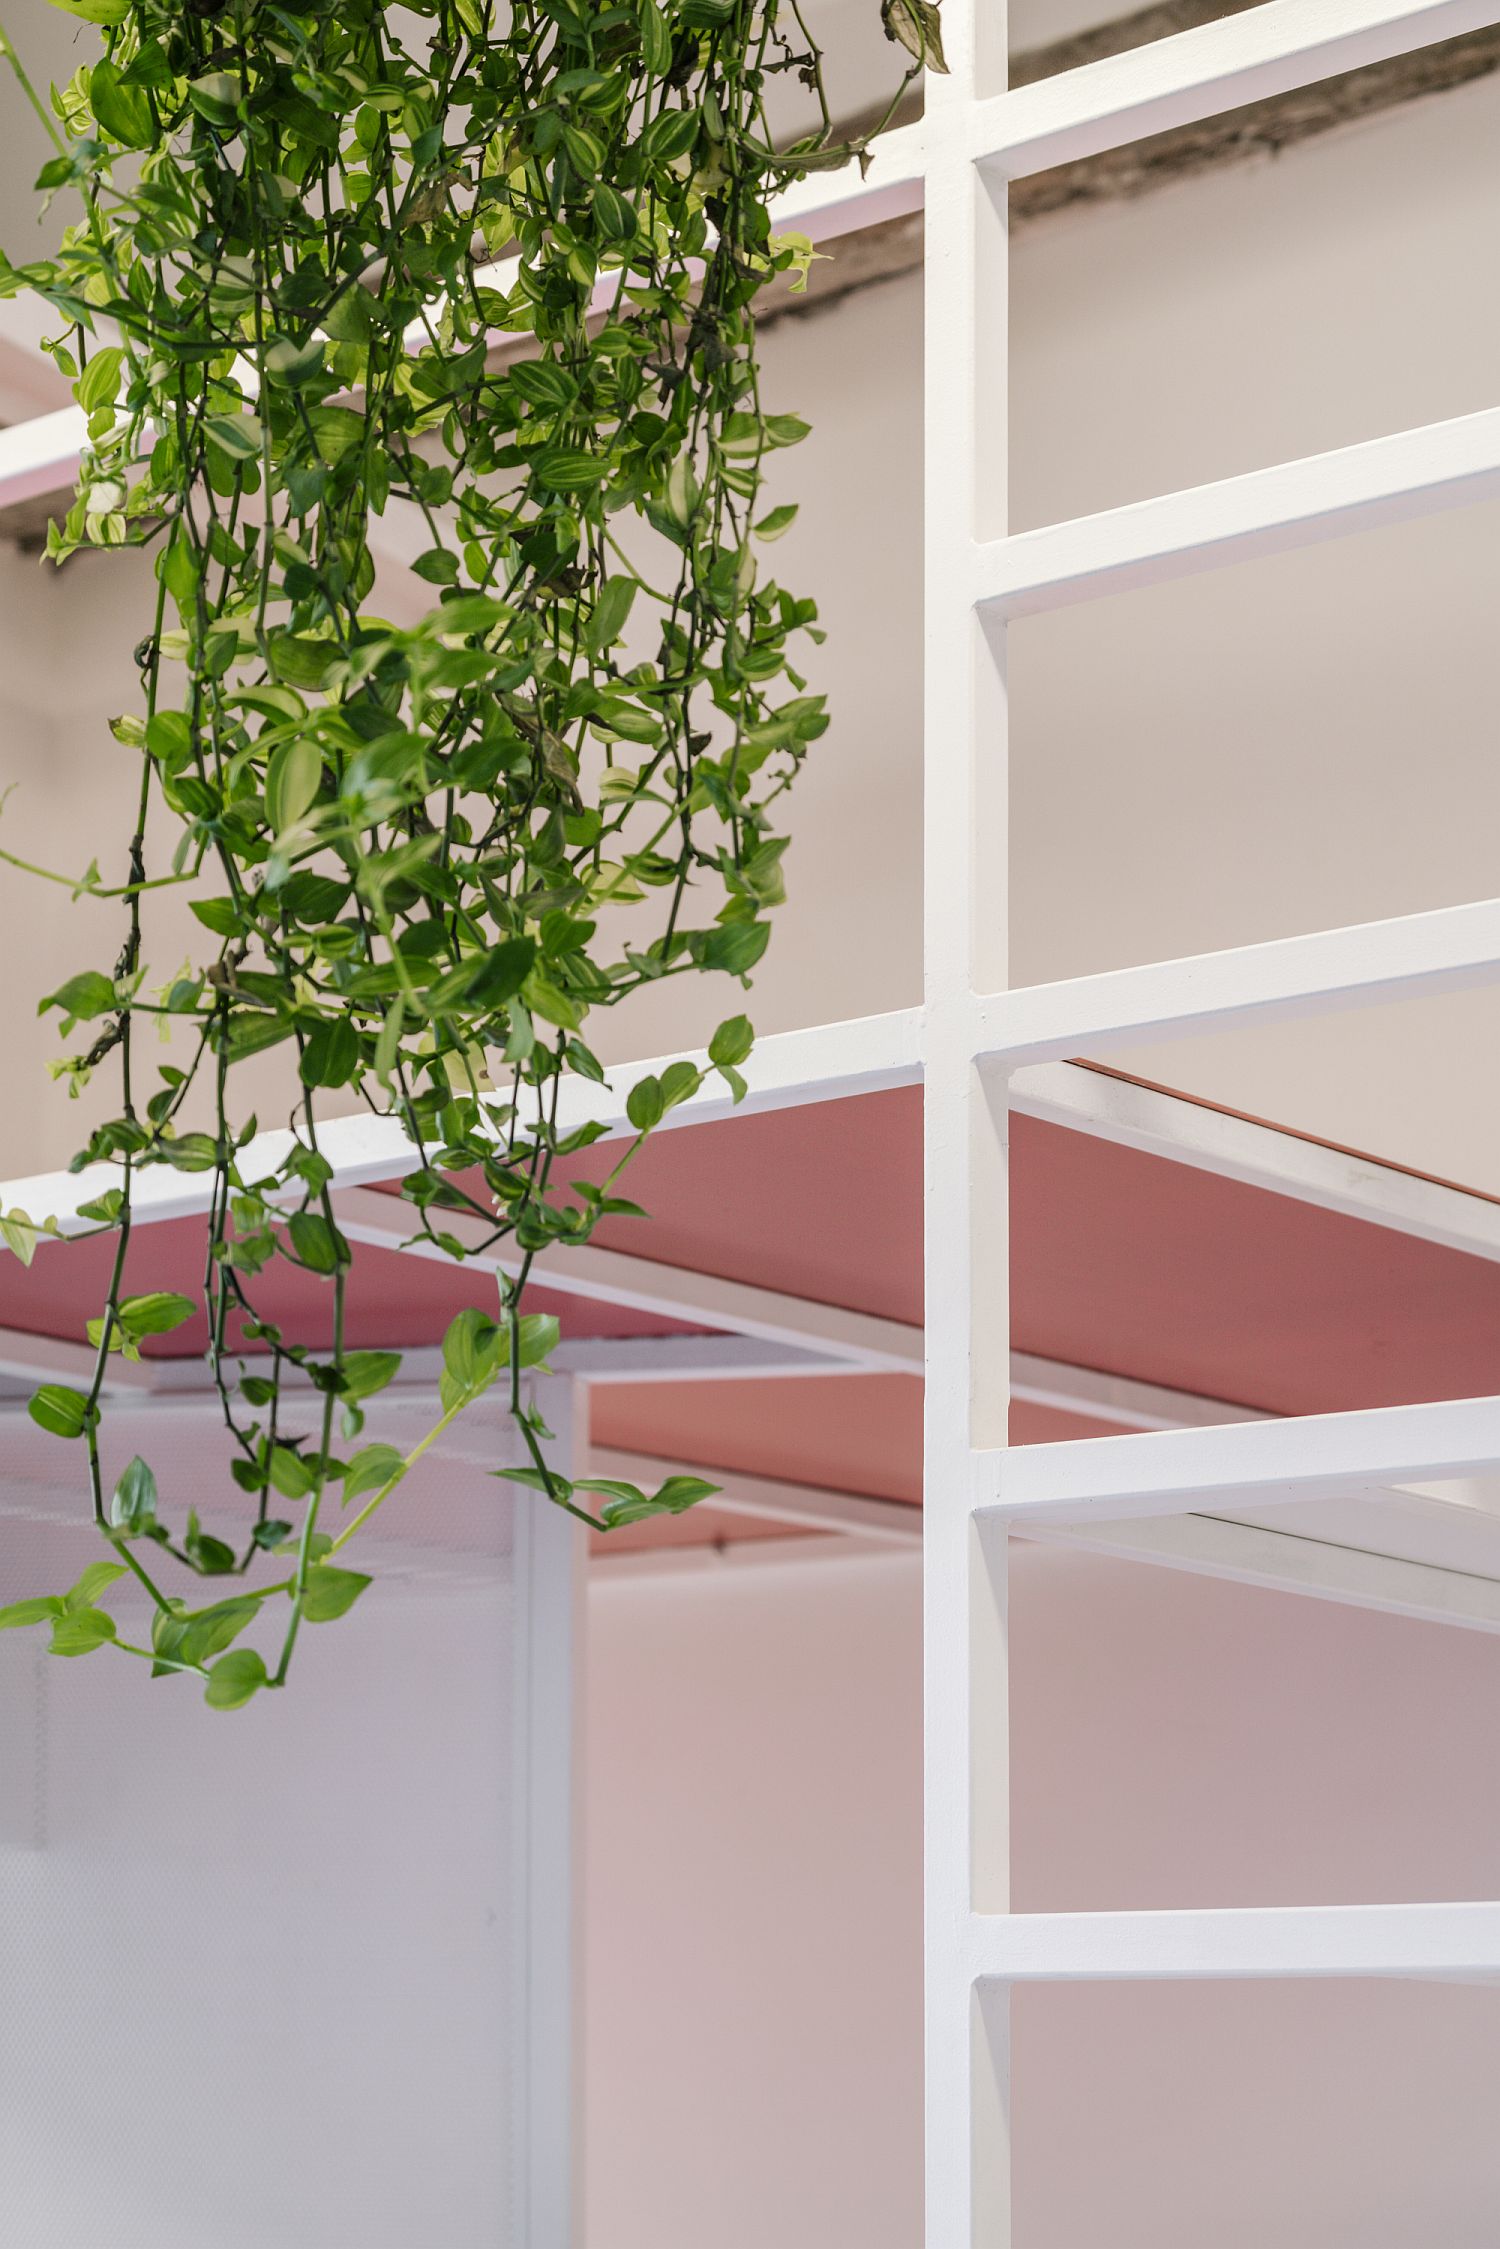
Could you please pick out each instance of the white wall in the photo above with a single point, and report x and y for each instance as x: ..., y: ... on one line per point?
x: 754, y: 1911
x: 256, y: 1971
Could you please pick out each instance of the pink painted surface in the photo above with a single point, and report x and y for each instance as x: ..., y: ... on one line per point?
x: 1121, y: 1261
x: 394, y: 1300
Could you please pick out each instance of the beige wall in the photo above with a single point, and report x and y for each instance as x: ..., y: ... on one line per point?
x: 1290, y: 744
x: 754, y: 1911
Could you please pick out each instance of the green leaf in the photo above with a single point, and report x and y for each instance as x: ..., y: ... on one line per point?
x: 656, y: 39
x: 122, y: 109
x: 301, y: 661
x: 331, y: 1055
x: 351, y: 317
x: 365, y: 1372
x: 331, y: 1593
x: 538, y: 1338
x: 780, y: 519
x: 191, y: 1151
x: 437, y: 566
x: 371, y: 1469
x: 60, y: 1411
x: 100, y: 380
x: 611, y: 611
x: 290, y: 1473
x: 473, y: 1352
x: 82, y: 998
x: 221, y: 915
x: 291, y: 363
x: 210, y: 1631
x: 644, y: 1104
x: 215, y: 95
x: 21, y: 1234
x: 208, y: 1554
x: 80, y: 1632
x: 732, y: 1041
x: 541, y: 382
x: 133, y: 1508
x: 21, y: 1613
x: 235, y: 1678
x: 679, y: 1082
x: 736, y: 946
x: 501, y: 973
x: 238, y: 435
x: 565, y: 469
x: 293, y: 778
x: 96, y: 1579
x: 627, y: 1503
x: 95, y: 11
x: 614, y: 213
x: 156, y: 1314
x: 316, y: 1243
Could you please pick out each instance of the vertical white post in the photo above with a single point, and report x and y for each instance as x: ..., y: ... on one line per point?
x: 550, y: 1560
x: 967, y: 1811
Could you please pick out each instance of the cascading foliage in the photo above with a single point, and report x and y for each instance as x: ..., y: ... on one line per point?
x: 476, y: 285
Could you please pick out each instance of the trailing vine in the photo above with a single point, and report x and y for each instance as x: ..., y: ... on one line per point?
x: 484, y: 280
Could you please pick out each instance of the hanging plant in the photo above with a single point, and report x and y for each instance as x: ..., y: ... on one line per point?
x: 422, y: 855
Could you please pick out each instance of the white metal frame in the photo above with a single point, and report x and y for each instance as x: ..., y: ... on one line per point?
x: 1159, y: 1494
x: 982, y: 1048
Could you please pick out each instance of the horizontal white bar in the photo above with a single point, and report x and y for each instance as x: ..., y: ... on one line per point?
x: 1253, y: 1463
x: 1411, y: 956
x: 828, y: 204
x: 1288, y: 1562
x: 1440, y: 1942
x: 612, y: 1359
x: 1416, y: 472
x: 1258, y: 1155
x: 788, y: 1069
x: 611, y: 1565
x: 1203, y: 72
x: 770, y: 1499
x: 41, y: 455
x: 641, y: 1283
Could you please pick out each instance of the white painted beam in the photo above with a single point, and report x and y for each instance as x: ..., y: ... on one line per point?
x: 828, y: 204
x: 1442, y: 1942
x: 644, y: 1285
x: 611, y: 1565
x: 1412, y: 956
x: 787, y: 1070
x: 1253, y: 1464
x: 1384, y: 480
x: 1203, y: 72
x: 770, y: 1499
x: 1287, y: 1562
x: 1191, y: 1132
x: 51, y: 1358
x: 614, y: 1359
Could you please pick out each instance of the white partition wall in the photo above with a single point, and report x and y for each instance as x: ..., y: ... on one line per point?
x: 300, y: 1974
